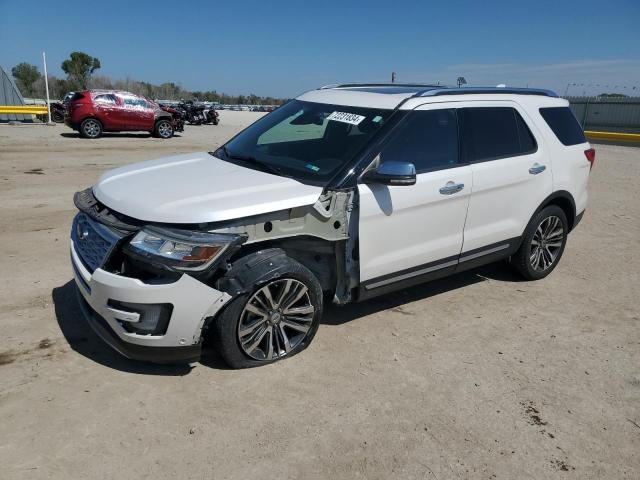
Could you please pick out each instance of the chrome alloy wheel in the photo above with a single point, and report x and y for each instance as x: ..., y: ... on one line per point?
x: 276, y: 319
x: 165, y: 130
x: 546, y: 243
x: 91, y: 128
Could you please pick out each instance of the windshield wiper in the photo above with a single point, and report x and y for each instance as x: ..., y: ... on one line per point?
x: 249, y: 159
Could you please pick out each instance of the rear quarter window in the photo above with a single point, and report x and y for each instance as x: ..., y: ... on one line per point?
x: 564, y: 124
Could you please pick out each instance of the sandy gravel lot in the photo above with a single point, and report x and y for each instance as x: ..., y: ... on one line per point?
x: 479, y: 376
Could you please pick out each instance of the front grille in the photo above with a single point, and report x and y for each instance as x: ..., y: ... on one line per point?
x: 93, y: 242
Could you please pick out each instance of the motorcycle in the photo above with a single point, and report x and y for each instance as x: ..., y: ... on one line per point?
x: 194, y: 114
x: 211, y: 115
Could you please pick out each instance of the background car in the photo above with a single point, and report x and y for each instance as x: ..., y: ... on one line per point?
x: 92, y: 112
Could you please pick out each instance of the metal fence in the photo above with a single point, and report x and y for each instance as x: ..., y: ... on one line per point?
x: 606, y: 114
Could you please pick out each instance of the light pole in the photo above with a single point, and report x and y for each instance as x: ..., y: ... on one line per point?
x: 46, y: 86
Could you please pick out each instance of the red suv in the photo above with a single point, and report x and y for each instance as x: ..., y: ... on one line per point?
x: 92, y: 112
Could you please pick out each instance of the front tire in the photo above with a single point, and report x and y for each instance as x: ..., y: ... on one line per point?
x: 164, y: 129
x: 57, y: 116
x: 543, y: 243
x: 277, y: 319
x: 91, y: 128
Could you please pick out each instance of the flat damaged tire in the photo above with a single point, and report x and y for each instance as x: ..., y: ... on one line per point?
x: 277, y: 318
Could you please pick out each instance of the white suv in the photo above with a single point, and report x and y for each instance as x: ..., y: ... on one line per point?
x: 350, y: 190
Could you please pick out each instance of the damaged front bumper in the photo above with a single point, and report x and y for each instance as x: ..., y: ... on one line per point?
x: 192, y: 302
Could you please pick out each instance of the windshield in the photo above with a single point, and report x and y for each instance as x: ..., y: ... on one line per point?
x: 304, y: 140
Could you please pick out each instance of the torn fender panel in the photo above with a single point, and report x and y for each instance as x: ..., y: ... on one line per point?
x: 334, y: 218
x: 328, y: 218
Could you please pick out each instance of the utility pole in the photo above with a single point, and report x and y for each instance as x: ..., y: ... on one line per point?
x: 46, y: 85
x: 393, y: 77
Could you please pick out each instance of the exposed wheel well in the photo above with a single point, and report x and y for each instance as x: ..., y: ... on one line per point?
x: 565, y: 201
x: 316, y: 254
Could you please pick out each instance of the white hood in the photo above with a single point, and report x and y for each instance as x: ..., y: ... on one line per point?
x: 198, y: 188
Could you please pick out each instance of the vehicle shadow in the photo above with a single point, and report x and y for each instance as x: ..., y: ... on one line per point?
x: 115, y: 134
x: 84, y: 341
x: 338, y: 315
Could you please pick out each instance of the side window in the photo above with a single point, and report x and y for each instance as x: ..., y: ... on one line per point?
x: 135, y: 102
x: 427, y: 138
x: 527, y: 140
x: 108, y: 99
x: 129, y: 101
x: 564, y: 124
x: 489, y: 133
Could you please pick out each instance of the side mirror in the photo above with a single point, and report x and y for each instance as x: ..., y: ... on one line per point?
x: 392, y: 173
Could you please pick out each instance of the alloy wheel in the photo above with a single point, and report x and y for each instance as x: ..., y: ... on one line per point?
x: 275, y: 320
x: 91, y: 128
x: 164, y: 129
x: 546, y: 243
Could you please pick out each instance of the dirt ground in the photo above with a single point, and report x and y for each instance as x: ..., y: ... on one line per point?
x: 479, y: 376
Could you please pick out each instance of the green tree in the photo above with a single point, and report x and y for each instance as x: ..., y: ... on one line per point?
x: 79, y: 68
x: 26, y: 76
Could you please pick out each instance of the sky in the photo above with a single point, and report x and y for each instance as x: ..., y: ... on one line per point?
x: 282, y: 48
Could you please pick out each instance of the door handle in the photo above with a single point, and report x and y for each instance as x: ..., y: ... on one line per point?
x: 450, y: 188
x: 537, y: 168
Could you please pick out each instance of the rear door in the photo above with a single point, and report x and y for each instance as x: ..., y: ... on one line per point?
x: 108, y: 111
x: 511, y: 175
x: 407, y: 232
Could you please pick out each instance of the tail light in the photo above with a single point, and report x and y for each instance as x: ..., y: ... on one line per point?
x: 591, y: 157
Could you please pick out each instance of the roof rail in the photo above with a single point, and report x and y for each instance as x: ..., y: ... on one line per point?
x: 348, y: 85
x: 487, y: 90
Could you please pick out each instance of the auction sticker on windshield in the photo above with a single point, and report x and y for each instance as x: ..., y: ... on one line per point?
x: 345, y: 117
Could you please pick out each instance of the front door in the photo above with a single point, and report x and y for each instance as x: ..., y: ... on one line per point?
x: 406, y: 232
x: 139, y: 113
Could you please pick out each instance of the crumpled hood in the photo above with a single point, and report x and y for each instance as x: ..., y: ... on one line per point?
x: 198, y: 188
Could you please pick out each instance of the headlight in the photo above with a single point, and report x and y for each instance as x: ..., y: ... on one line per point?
x: 182, y: 249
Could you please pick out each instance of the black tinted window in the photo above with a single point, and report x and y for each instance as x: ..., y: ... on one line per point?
x: 527, y: 141
x: 564, y: 125
x: 428, y: 139
x: 494, y: 132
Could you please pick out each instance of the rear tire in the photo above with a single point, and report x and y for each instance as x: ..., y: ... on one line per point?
x: 277, y: 319
x: 543, y: 243
x: 164, y: 129
x: 91, y: 128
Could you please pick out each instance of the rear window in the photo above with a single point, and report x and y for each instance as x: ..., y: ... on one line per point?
x: 490, y: 133
x: 564, y: 125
